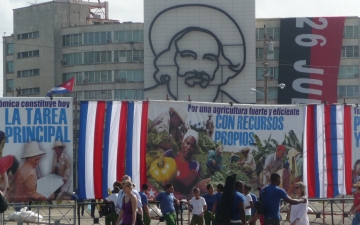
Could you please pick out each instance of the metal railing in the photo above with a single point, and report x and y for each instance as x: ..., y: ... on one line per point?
x: 51, y: 214
x: 327, y: 211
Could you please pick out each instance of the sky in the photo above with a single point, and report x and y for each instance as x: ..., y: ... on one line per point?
x: 132, y: 10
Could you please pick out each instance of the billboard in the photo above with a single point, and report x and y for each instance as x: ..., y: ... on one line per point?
x: 311, y: 74
x: 201, y: 51
x: 36, y: 149
x: 192, y: 144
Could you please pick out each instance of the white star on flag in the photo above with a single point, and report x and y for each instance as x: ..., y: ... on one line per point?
x: 68, y: 84
x: 151, y: 193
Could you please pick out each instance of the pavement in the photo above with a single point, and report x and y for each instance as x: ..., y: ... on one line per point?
x: 66, y: 214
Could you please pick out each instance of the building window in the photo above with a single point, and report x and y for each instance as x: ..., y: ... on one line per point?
x: 28, y: 54
x: 270, y: 55
x: 273, y: 32
x: 272, y: 93
x: 72, y: 39
x: 72, y: 59
x: 129, y: 75
x: 68, y: 76
x: 130, y: 94
x: 129, y: 56
x: 10, y: 49
x: 28, y: 35
x: 346, y: 72
x: 92, y: 95
x: 129, y: 36
x: 272, y: 71
x: 351, y: 32
x: 97, y: 37
x: 28, y: 73
x: 94, y: 77
x: 97, y: 57
x: 10, y: 84
x: 350, y: 51
x: 30, y: 91
x: 348, y: 91
x: 10, y: 67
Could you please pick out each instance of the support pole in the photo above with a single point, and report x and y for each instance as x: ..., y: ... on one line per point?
x: 265, y: 65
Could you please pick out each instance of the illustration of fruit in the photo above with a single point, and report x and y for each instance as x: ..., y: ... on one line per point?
x: 163, y: 169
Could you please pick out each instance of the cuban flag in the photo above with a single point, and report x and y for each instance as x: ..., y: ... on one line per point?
x: 65, y: 87
x: 112, y: 143
x: 327, y: 150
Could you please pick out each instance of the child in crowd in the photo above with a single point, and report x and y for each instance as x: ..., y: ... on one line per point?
x: 198, y: 207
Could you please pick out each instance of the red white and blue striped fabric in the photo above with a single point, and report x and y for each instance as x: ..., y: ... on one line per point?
x: 327, y: 150
x: 110, y: 144
x: 92, y: 116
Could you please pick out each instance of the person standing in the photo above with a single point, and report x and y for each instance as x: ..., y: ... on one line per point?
x: 210, y: 200
x: 167, y: 200
x: 272, y: 196
x: 298, y: 213
x: 355, y: 208
x: 145, y: 203
x: 60, y: 164
x: 128, y: 208
x: 249, y: 204
x: 218, y: 195
x: 198, y: 208
x: 112, y: 199
x: 237, y: 211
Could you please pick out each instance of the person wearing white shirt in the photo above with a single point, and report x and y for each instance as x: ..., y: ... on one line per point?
x: 198, y: 205
x: 248, y: 204
x: 298, y: 213
x: 113, y: 216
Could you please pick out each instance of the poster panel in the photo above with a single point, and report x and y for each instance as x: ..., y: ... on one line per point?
x: 36, y: 149
x: 356, y: 145
x: 309, y: 76
x: 192, y: 144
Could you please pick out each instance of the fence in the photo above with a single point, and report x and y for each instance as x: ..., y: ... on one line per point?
x: 51, y: 214
x: 325, y: 211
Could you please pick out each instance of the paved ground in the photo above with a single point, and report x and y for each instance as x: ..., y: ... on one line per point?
x: 66, y: 214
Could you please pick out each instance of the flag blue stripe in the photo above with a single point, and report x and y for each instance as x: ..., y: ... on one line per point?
x: 129, y: 137
x: 81, y: 150
x: 106, y: 149
x: 334, y: 149
x: 57, y: 92
x: 316, y: 160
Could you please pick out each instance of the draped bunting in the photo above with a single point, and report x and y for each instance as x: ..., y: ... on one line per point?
x: 327, y: 150
x: 113, y: 141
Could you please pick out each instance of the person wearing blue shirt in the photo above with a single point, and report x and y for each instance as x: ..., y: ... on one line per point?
x: 145, y: 203
x: 215, y: 159
x: 238, y: 209
x: 218, y: 195
x: 272, y: 196
x: 210, y: 200
x: 167, y: 200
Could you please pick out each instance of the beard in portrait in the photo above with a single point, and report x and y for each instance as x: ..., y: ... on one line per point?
x: 198, y: 61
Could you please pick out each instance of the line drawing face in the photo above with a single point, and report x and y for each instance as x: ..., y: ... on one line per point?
x: 199, y: 57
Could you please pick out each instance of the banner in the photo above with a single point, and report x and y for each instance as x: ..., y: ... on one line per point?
x: 192, y: 144
x: 309, y: 59
x: 36, y: 149
x: 355, y: 125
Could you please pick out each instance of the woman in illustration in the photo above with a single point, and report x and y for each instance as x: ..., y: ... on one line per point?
x: 188, y: 170
x: 8, y: 163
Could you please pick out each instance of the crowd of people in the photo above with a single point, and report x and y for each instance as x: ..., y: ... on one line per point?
x: 130, y: 205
